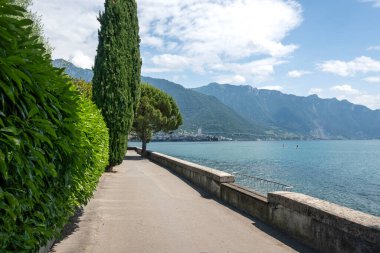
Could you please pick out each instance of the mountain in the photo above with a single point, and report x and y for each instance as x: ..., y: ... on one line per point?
x: 244, y: 112
x: 310, y: 117
x: 207, y: 112
x: 74, y: 71
x: 198, y: 110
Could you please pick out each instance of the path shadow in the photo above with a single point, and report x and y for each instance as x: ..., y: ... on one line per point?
x: 71, y: 227
x: 274, y: 232
x: 271, y: 231
x: 111, y: 172
x: 281, y: 236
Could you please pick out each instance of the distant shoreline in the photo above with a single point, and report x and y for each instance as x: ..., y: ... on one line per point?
x: 274, y: 140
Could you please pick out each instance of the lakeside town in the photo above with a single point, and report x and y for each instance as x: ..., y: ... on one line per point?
x: 183, y: 136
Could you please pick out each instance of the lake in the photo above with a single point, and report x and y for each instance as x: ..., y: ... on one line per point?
x: 342, y: 172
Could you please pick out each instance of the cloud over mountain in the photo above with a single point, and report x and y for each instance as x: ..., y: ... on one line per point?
x: 211, y: 36
x: 361, y: 64
x: 233, y: 37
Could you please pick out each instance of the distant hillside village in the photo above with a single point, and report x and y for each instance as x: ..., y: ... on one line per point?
x: 184, y: 136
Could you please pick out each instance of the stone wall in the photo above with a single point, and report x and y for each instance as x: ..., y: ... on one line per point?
x: 319, y: 224
x: 209, y: 180
x: 324, y: 225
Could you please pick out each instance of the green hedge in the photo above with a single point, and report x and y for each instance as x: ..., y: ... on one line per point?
x: 53, y: 142
x: 83, y: 87
x: 94, y: 148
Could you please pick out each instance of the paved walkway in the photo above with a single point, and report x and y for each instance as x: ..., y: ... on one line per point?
x: 145, y: 208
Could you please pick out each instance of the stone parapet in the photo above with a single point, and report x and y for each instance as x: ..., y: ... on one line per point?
x: 207, y: 179
x: 324, y: 225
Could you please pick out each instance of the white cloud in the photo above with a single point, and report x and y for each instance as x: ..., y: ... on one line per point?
x: 256, y: 71
x: 235, y: 28
x: 71, y: 27
x: 298, y: 73
x: 237, y: 79
x: 315, y: 91
x: 171, y: 62
x: 207, y: 33
x: 153, y: 70
x: 375, y: 3
x: 372, y: 79
x: 346, y: 89
x: 374, y: 48
x: 153, y: 41
x: 371, y: 101
x: 81, y: 60
x: 361, y: 64
x: 275, y: 87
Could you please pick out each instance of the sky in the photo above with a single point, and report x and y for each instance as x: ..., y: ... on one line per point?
x: 326, y: 47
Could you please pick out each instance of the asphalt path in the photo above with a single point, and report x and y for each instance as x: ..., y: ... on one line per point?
x: 142, y: 207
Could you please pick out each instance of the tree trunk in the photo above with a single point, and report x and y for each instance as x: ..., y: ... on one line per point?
x: 143, y: 147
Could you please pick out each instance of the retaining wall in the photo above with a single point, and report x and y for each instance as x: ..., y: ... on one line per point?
x: 319, y: 224
x: 209, y: 180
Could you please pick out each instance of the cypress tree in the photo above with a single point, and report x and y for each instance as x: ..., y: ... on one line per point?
x: 117, y: 72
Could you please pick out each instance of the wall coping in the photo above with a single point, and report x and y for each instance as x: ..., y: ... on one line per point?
x: 329, y: 213
x: 217, y: 175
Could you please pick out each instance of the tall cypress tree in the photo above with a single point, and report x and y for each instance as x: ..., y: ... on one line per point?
x: 117, y: 72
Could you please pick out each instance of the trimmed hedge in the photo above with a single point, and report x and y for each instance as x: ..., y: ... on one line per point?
x: 83, y: 87
x: 53, y: 142
x: 94, y: 141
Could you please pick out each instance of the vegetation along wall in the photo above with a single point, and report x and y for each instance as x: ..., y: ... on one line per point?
x: 53, y: 140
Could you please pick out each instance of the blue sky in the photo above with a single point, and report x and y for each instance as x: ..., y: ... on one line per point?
x: 326, y: 47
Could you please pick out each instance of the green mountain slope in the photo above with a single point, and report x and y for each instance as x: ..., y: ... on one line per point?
x: 306, y: 116
x: 74, y: 71
x: 207, y: 112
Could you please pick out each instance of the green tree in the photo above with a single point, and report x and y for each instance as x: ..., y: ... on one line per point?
x: 156, y: 111
x: 117, y: 72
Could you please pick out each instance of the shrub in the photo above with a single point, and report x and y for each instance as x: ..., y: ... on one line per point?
x: 49, y: 155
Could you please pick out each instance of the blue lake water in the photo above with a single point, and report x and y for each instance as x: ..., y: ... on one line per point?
x: 342, y: 172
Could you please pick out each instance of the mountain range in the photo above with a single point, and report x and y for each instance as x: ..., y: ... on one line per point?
x: 244, y: 112
x: 305, y: 116
x: 207, y: 112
